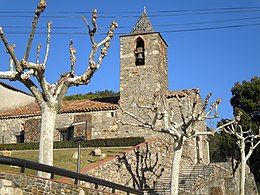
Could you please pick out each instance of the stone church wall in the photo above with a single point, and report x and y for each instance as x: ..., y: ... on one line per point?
x: 101, y: 124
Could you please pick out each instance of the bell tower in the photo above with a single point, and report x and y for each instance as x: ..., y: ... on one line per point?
x: 143, y: 64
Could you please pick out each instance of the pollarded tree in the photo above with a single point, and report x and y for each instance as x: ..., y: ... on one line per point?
x: 245, y: 139
x: 246, y: 99
x: 50, y: 96
x: 192, y: 112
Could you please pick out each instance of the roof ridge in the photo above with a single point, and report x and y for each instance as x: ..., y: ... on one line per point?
x: 13, y: 88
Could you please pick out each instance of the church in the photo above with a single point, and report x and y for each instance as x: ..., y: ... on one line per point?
x: 143, y: 72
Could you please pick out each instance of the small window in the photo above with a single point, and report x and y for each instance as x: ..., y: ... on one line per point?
x: 112, y: 114
x: 20, y: 138
x: 67, y: 134
x: 139, y: 52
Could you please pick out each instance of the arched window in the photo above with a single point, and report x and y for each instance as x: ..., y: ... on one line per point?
x: 139, y: 52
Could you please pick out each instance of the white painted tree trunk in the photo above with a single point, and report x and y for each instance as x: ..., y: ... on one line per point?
x: 176, y: 167
x: 46, y: 137
x: 243, y: 168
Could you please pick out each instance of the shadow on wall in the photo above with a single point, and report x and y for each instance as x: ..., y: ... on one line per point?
x: 144, y: 169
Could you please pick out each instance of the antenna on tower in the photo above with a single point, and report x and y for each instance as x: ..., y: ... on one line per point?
x: 144, y: 9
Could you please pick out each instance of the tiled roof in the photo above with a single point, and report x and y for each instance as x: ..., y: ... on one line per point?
x: 71, y: 106
x: 181, y: 93
x: 84, y: 105
x: 13, y: 88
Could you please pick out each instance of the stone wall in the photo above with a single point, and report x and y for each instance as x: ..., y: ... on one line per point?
x: 32, y: 130
x: 225, y: 183
x: 195, y: 150
x: 22, y: 184
x: 139, y: 167
x: 138, y: 83
x: 101, y: 124
x: 10, y: 128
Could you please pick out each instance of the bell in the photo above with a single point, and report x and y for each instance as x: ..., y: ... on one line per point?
x: 139, y: 51
x: 139, y: 56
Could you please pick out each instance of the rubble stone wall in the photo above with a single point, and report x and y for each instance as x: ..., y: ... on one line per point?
x: 139, y: 167
x: 22, y: 184
x: 102, y: 124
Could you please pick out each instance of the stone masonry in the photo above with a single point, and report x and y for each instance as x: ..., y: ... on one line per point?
x: 22, y: 184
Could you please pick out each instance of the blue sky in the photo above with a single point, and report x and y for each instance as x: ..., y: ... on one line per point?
x: 211, y: 60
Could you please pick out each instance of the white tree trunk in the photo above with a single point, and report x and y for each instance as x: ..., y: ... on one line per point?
x: 48, y: 120
x: 243, y: 169
x: 176, y: 167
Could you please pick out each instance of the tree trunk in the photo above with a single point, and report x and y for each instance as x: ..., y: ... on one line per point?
x: 176, y: 167
x: 243, y: 168
x: 48, y: 119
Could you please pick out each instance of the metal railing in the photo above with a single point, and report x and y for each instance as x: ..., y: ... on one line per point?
x: 66, y: 173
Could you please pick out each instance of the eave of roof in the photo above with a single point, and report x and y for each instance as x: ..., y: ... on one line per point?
x: 78, y: 106
x: 72, y: 106
x: 181, y: 93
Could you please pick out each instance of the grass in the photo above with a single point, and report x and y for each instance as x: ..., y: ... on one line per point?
x: 63, y: 158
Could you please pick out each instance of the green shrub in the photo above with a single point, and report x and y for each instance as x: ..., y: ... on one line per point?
x: 112, y: 142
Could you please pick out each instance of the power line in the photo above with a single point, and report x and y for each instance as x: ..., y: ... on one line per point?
x: 137, y: 12
x: 211, y: 9
x: 135, y: 16
x: 164, y: 31
x: 208, y: 22
x: 212, y: 28
x: 159, y: 25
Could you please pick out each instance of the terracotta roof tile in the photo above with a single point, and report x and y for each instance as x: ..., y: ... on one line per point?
x: 181, y: 93
x: 84, y: 105
x: 67, y: 107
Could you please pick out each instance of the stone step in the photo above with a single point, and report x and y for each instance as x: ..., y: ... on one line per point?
x: 188, y: 177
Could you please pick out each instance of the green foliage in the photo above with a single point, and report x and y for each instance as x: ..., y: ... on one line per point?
x: 223, y: 147
x: 113, y: 142
x: 90, y: 95
x: 246, y: 99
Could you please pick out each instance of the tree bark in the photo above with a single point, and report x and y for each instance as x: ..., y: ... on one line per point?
x: 243, y: 168
x: 47, y: 131
x: 176, y: 167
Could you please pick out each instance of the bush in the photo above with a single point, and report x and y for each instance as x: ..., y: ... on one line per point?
x: 112, y: 142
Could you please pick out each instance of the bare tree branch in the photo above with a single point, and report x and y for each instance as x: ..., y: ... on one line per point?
x: 8, y: 75
x: 10, y: 51
x: 191, y: 113
x: 73, y: 58
x: 92, y: 67
x: 38, y: 53
x: 93, y: 31
x: 34, y: 90
x: 11, y: 61
x: 47, y: 43
x: 40, y: 8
